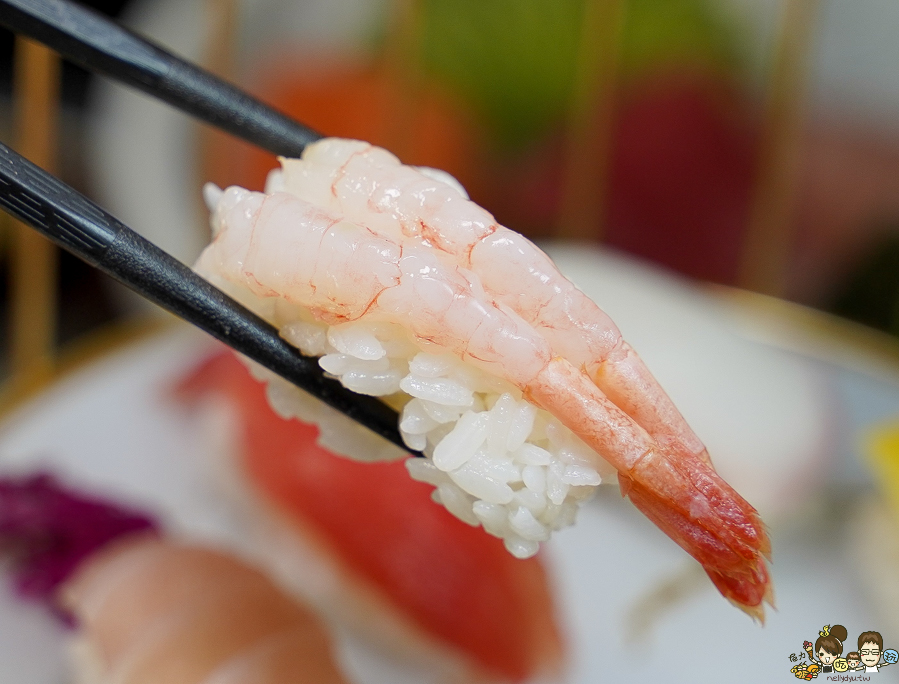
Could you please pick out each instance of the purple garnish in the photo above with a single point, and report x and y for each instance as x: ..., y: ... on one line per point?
x: 47, y: 530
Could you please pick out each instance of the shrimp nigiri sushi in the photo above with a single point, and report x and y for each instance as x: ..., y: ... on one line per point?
x: 150, y: 611
x: 518, y: 389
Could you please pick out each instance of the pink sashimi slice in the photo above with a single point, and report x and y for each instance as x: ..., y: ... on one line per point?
x: 154, y: 612
x: 146, y: 610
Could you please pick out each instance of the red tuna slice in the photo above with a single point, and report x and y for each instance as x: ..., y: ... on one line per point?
x: 452, y: 581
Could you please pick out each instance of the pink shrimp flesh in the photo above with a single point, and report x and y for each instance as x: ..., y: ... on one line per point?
x: 354, y: 235
x: 370, y: 186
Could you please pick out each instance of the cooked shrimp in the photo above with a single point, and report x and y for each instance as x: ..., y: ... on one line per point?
x: 342, y: 270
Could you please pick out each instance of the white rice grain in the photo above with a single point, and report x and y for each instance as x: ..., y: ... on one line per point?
x: 374, y: 383
x: 520, y: 548
x: 556, y: 488
x: 530, y: 454
x: 432, y: 365
x: 486, y: 478
x: 581, y: 476
x: 281, y: 398
x: 493, y: 517
x: 309, y: 338
x: 416, y: 442
x: 414, y: 420
x: 458, y: 503
x: 522, y: 423
x: 578, y: 494
x: 501, y: 415
x: 438, y: 390
x: 441, y: 413
x: 523, y: 523
x: 462, y: 442
x: 335, y: 364
x: 423, y: 470
x: 357, y: 340
x: 534, y: 501
x: 534, y: 478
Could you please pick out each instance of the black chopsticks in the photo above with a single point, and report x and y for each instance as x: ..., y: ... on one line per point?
x: 100, y: 45
x: 75, y: 223
x: 78, y: 225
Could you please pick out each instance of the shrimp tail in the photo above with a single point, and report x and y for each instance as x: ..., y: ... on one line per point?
x: 749, y: 593
x: 744, y: 593
x: 677, y: 490
x: 735, y: 563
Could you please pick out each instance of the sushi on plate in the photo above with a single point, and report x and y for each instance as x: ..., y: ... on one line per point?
x: 148, y: 610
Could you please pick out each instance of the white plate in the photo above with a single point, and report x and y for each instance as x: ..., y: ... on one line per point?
x: 110, y: 429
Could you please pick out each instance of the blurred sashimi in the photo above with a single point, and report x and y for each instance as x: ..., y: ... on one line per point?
x: 150, y: 611
x: 456, y: 588
x: 147, y: 610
